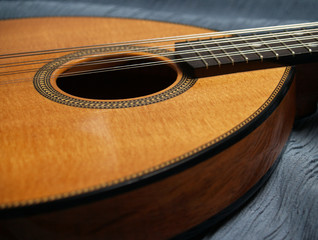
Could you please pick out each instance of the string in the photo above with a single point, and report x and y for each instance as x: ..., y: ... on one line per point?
x: 229, y: 46
x: 184, y: 59
x: 164, y: 39
x: 222, y: 40
x: 156, y: 63
x: 168, y: 47
x: 160, y: 62
x: 169, y: 54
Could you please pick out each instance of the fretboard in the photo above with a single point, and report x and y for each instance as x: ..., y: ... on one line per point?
x: 250, y: 51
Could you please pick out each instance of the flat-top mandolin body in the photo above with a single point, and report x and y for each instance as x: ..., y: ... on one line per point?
x: 151, y: 157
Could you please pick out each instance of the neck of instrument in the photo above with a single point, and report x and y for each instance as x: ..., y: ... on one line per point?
x: 249, y: 51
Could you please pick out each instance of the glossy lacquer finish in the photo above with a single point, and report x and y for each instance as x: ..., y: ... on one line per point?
x: 155, y: 170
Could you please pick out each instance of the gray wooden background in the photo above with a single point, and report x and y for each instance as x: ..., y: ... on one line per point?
x: 287, y: 206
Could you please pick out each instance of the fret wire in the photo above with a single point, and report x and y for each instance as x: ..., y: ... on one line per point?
x: 213, y: 55
x: 269, y: 48
x: 291, y: 50
x: 251, y: 46
x: 198, y: 53
x: 157, y: 40
x: 276, y: 54
x: 234, y: 39
x: 297, y: 39
x: 223, y: 40
x: 272, y: 49
x: 237, y: 49
x: 266, y: 43
x: 131, y: 66
x: 227, y: 55
x: 149, y: 64
x: 208, y: 57
x: 133, y: 58
x: 310, y: 33
x: 315, y: 37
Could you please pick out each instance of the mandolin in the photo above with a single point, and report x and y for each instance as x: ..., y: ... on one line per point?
x: 131, y: 129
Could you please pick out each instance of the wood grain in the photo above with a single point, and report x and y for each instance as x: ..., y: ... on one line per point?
x: 52, y: 151
x: 158, y: 210
x: 84, y: 146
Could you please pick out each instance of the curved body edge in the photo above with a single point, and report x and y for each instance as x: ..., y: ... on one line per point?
x: 230, y: 133
x: 200, y: 195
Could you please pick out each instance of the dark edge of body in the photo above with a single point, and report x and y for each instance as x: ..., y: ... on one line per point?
x: 205, y: 227
x: 159, y: 174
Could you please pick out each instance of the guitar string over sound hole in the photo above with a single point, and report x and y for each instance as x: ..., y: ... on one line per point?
x: 76, y: 80
x: 108, y: 78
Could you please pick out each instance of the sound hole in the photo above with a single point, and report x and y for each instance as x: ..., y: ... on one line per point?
x: 89, y: 80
